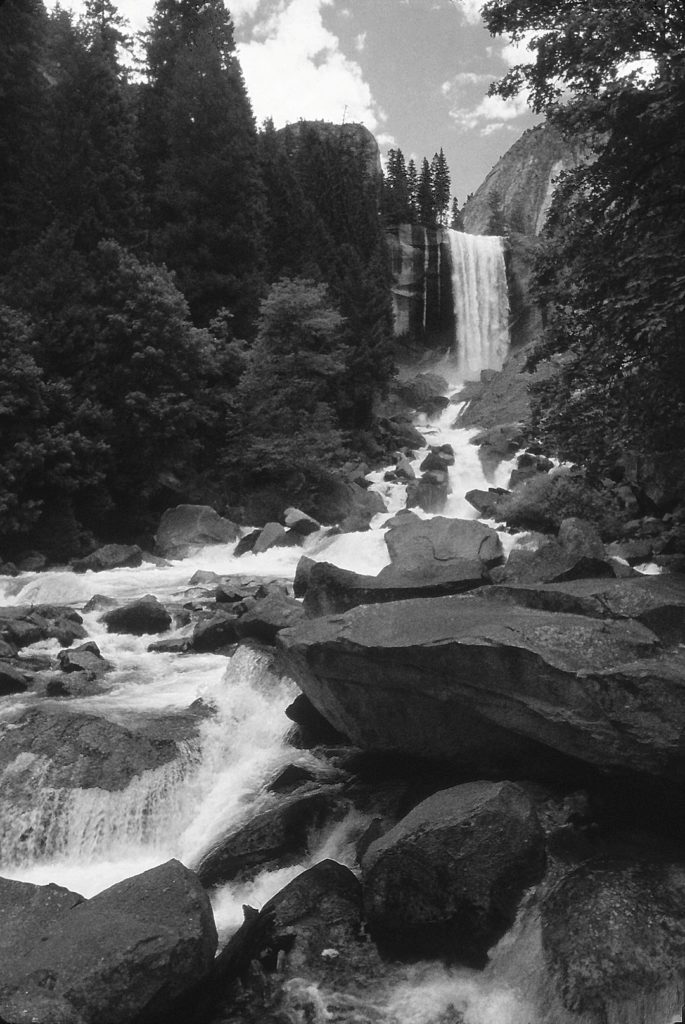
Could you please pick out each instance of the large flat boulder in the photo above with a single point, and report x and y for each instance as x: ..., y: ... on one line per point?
x: 125, y: 956
x: 447, y: 678
x: 331, y: 589
x: 447, y: 879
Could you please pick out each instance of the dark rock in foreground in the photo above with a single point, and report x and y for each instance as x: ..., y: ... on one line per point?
x: 448, y: 878
x: 123, y: 957
x: 446, y: 679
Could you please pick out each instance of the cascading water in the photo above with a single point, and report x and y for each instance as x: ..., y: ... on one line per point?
x: 481, y: 303
x: 87, y: 839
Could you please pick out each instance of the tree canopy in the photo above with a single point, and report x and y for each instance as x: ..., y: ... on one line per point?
x: 611, y: 273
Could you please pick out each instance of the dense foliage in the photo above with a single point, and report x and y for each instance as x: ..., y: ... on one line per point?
x: 612, y: 271
x: 182, y: 297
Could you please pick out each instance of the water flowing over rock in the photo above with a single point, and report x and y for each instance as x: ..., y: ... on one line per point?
x: 448, y: 878
x: 123, y: 957
x: 443, y: 678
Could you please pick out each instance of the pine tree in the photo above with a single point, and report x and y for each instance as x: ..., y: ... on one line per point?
x: 440, y: 176
x: 23, y: 90
x: 200, y: 149
x: 106, y: 29
x: 413, y: 191
x: 94, y: 183
x: 457, y: 218
x: 396, y: 205
x: 425, y: 196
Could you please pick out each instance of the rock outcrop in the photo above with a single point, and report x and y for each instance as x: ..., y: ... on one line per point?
x: 523, y: 179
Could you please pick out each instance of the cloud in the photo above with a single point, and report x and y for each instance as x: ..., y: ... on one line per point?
x: 464, y: 78
x: 470, y: 9
x: 241, y: 10
x: 491, y: 114
x: 294, y: 68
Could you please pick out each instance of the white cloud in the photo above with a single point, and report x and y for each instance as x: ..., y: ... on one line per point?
x: 464, y: 78
x: 294, y: 69
x: 470, y: 9
x: 360, y: 42
x: 491, y: 114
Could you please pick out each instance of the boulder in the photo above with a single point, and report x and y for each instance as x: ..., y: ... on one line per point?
x: 550, y: 563
x: 498, y: 444
x: 270, y: 615
x: 302, y: 574
x: 86, y: 658
x: 128, y: 954
x: 313, y: 730
x: 74, y: 750
x: 274, y: 838
x: 21, y: 627
x: 12, y: 679
x: 184, y: 530
x: 445, y: 679
x: 111, y: 556
x: 320, y: 910
x: 272, y: 535
x: 447, y: 879
x: 331, y: 589
x: 486, y: 502
x: 425, y: 544
x: 299, y: 522
x: 605, y: 943
x: 139, y: 618
x: 216, y: 632
x: 420, y: 389
x: 580, y: 539
x: 246, y: 543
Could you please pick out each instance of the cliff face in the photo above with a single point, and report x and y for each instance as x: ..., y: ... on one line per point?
x: 422, y: 284
x: 523, y: 178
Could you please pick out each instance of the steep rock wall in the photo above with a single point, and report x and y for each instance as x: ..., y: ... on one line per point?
x: 524, y: 180
x: 422, y: 284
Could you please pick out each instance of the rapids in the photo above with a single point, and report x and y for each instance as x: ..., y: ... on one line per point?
x: 86, y: 839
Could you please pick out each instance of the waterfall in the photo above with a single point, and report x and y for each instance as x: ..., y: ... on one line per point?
x: 481, y: 303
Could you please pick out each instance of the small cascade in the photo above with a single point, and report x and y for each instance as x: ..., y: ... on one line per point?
x: 481, y: 303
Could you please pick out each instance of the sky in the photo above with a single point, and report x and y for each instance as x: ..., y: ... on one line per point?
x: 415, y: 72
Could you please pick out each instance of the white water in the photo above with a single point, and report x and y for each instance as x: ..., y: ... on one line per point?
x: 481, y: 304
